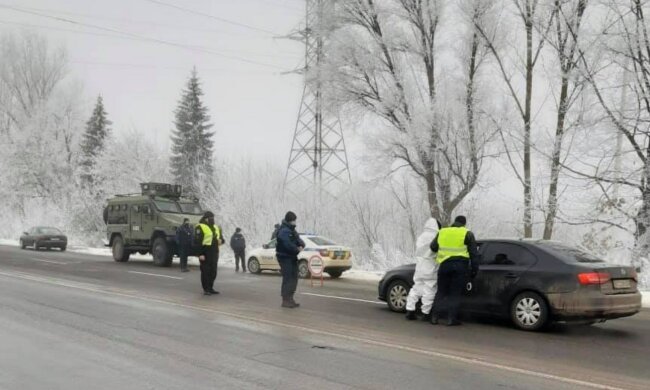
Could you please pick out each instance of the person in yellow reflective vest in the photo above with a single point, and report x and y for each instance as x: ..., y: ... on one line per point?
x: 457, y: 254
x: 207, y: 238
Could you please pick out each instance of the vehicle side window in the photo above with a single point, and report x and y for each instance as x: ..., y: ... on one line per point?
x: 135, y: 208
x: 507, y: 254
x: 271, y: 244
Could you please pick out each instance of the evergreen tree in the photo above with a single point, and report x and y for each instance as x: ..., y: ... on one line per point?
x: 94, y: 139
x: 192, y: 144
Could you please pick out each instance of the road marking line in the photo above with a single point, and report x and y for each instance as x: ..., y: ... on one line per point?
x: 344, y: 298
x: 48, y: 261
x: 384, y: 344
x: 159, y: 275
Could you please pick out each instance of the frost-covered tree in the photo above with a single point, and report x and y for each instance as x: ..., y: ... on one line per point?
x: 94, y: 139
x: 192, y: 141
x: 387, y: 61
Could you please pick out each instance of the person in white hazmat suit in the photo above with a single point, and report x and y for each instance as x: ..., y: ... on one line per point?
x: 426, y: 273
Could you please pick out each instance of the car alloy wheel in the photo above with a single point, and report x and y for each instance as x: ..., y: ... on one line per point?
x: 254, y: 266
x: 303, y: 269
x: 397, y: 294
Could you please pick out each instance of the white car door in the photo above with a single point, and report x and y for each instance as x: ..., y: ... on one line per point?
x: 267, y: 256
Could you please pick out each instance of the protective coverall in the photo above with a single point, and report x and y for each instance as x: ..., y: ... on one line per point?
x: 426, y: 270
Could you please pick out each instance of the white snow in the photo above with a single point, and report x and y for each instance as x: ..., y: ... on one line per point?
x: 645, y: 302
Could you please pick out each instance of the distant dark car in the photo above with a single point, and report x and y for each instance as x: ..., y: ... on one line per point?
x: 534, y: 283
x: 44, y: 237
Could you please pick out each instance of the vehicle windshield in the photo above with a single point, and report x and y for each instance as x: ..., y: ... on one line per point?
x: 48, y: 231
x: 570, y: 254
x: 191, y: 208
x: 167, y: 206
x: 320, y: 240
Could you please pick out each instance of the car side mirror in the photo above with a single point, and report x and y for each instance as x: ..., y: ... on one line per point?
x: 265, y: 246
x: 26, y: 234
x: 638, y: 269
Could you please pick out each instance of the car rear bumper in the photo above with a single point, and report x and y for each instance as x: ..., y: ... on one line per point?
x: 52, y: 244
x: 336, y: 265
x: 593, y: 305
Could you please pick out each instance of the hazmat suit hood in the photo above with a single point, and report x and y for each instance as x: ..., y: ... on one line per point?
x: 426, y: 266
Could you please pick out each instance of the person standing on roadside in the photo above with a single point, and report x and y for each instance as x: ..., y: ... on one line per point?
x: 207, y: 237
x: 276, y: 229
x: 288, y: 247
x: 184, y: 241
x: 426, y: 270
x: 457, y: 254
x: 238, y: 246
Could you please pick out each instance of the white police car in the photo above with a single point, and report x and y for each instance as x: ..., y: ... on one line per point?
x: 336, y: 258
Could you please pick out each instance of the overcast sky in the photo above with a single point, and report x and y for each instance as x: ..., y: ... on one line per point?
x: 112, y: 52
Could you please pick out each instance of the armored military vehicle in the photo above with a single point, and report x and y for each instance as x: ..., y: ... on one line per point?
x: 146, y: 222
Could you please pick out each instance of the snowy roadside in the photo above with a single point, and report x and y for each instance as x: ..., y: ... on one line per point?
x: 228, y: 262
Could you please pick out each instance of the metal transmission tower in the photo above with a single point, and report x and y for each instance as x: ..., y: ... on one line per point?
x: 318, y: 162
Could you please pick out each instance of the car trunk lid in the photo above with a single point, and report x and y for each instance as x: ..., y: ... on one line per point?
x: 620, y: 280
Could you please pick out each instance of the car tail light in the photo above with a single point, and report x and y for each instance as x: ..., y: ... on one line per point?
x: 324, y: 252
x: 594, y: 278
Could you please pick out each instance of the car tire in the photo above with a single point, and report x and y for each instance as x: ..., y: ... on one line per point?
x: 254, y: 266
x: 22, y: 244
x: 335, y: 274
x: 120, y: 254
x: 162, y: 255
x: 36, y: 247
x: 529, y: 311
x: 303, y: 269
x: 396, y: 296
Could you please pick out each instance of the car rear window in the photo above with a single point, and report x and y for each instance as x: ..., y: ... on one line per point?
x: 570, y: 254
x: 48, y: 230
x: 320, y: 240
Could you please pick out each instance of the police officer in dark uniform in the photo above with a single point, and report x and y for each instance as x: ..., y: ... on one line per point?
x: 287, y: 248
x: 208, y: 238
x: 184, y: 242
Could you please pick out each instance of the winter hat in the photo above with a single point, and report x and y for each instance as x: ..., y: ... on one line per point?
x: 237, y: 230
x: 208, y: 214
x: 461, y: 220
x: 290, y: 217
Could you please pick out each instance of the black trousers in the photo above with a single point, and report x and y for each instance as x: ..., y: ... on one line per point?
x: 452, y: 276
x: 289, y: 270
x: 182, y: 254
x: 209, y: 269
x: 240, y: 255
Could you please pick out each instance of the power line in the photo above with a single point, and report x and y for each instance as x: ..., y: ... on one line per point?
x: 131, y: 38
x: 140, y: 37
x: 190, y: 11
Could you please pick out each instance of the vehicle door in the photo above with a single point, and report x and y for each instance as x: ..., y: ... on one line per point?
x: 29, y: 238
x: 148, y: 220
x: 136, y: 220
x: 501, y: 267
x: 267, y: 256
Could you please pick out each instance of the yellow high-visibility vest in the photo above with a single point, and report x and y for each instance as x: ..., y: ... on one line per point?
x: 208, y: 236
x: 451, y: 243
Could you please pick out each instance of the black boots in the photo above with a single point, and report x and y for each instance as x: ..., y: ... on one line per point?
x: 427, y: 317
x: 434, y: 319
x: 289, y: 303
x: 410, y: 315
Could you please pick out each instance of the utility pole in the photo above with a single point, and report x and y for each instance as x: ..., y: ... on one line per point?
x: 318, y: 162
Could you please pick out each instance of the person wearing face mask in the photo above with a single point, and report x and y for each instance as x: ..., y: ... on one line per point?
x: 288, y: 246
x: 208, y: 237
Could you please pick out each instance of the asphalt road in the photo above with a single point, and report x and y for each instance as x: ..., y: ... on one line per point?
x: 71, y: 321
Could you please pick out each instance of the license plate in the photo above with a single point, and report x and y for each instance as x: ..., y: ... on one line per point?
x: 622, y: 283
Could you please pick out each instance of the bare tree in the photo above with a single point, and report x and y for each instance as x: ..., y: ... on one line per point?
x: 383, y: 60
x: 567, y: 18
x: 532, y: 20
x: 627, y: 40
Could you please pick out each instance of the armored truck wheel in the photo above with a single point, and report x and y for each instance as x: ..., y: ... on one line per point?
x: 120, y: 254
x: 162, y: 253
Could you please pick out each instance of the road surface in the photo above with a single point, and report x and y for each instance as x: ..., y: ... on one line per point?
x: 70, y: 320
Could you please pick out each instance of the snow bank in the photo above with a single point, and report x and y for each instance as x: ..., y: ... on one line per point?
x: 646, y: 299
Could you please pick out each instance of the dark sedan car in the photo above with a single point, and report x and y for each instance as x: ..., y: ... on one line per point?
x: 44, y: 237
x: 534, y: 283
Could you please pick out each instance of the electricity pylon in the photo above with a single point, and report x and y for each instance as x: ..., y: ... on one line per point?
x: 318, y: 162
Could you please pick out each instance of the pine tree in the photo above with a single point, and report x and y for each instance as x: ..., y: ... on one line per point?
x: 94, y: 139
x: 192, y: 144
